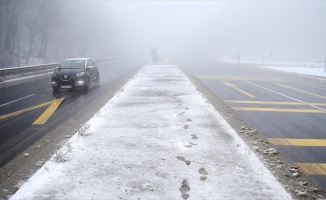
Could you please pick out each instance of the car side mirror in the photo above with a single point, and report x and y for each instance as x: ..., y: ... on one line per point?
x: 90, y: 67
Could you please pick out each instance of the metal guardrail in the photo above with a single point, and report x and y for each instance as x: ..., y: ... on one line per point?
x: 18, y: 72
x: 15, y: 70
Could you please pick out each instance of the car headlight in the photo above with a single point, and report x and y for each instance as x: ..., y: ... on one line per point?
x: 54, y: 75
x: 80, y: 74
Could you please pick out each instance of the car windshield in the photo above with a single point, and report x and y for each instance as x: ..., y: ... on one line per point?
x: 73, y: 64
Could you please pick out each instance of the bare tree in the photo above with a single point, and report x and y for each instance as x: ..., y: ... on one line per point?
x: 13, y: 12
x: 26, y: 26
x: 49, y: 13
x: 2, y: 21
x: 38, y: 22
x: 10, y: 15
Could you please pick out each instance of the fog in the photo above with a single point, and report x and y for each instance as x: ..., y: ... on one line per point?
x: 279, y: 31
x: 282, y: 31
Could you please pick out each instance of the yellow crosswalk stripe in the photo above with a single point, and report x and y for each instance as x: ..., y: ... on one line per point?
x: 272, y: 102
x: 303, y: 91
x: 226, y: 77
x: 298, y: 142
x: 49, y: 112
x: 278, y: 110
x: 238, y: 89
x: 312, y: 168
x: 306, y: 168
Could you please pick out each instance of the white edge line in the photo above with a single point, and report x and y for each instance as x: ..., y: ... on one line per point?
x: 17, y: 100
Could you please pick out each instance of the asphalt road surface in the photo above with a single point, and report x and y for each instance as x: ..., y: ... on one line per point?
x: 29, y: 111
x: 288, y: 110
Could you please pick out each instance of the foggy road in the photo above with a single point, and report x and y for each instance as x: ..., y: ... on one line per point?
x: 23, y: 106
x: 288, y: 110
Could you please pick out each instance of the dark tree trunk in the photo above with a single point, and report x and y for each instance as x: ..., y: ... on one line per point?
x: 43, y: 44
x: 11, y: 30
x: 2, y: 23
x: 18, y: 47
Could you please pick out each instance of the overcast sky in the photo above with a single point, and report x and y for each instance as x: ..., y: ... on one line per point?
x: 286, y: 30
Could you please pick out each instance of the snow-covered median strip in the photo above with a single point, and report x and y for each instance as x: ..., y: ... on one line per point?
x: 156, y: 139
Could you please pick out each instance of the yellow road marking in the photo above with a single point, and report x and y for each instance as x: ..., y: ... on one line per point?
x: 273, y: 102
x: 236, y: 88
x: 225, y: 77
x: 278, y: 110
x: 49, y: 112
x: 313, y: 168
x: 264, y: 102
x: 286, y: 86
x: 298, y: 142
x: 25, y: 110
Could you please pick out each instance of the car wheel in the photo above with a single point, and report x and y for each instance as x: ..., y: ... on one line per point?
x: 97, y: 77
x: 88, y: 84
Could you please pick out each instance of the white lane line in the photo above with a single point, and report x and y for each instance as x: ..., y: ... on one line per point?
x: 284, y: 95
x: 48, y: 89
x: 17, y: 100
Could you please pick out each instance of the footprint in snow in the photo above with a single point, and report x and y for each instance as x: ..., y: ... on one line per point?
x: 185, y: 187
x: 186, y: 126
x: 189, y: 145
x: 185, y: 196
x: 203, y: 172
x: 184, y: 160
x: 181, y: 113
x: 193, y: 136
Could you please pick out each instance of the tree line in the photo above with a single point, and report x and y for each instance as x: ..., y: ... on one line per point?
x: 30, y: 29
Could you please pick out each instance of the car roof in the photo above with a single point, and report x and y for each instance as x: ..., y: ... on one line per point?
x: 78, y: 58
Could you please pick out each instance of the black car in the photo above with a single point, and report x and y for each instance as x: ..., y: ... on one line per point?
x: 75, y: 73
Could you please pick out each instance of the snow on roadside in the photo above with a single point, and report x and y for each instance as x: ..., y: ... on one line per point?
x: 299, y: 70
x: 156, y: 139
